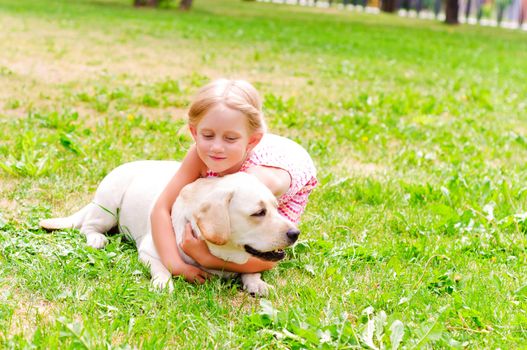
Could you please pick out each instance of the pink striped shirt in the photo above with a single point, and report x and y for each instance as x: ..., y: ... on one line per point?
x: 282, y: 153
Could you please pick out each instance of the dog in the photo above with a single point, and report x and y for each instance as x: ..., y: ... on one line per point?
x: 236, y: 215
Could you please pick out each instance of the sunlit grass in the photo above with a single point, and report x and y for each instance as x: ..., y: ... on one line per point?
x: 415, y: 236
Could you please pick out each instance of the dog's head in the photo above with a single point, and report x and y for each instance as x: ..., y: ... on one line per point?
x: 237, y: 216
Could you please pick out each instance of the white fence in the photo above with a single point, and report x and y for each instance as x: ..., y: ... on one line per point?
x: 505, y: 13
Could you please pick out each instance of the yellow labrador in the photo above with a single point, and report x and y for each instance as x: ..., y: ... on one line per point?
x: 236, y: 215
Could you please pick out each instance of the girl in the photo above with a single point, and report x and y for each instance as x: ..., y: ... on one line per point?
x: 227, y: 125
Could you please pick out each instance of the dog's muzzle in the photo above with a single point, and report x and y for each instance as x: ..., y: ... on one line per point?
x: 274, y: 255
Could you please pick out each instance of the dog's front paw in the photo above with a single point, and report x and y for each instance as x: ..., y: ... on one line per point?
x: 161, y: 283
x: 96, y: 240
x: 257, y: 288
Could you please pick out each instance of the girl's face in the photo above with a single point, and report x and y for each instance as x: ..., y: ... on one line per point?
x: 223, y: 140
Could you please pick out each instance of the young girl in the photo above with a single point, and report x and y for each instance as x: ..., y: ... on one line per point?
x: 228, y: 128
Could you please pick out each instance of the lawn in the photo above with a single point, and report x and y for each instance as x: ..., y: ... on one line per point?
x: 415, y: 237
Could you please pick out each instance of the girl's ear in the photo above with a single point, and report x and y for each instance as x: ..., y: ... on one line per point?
x: 254, y: 139
x: 193, y: 131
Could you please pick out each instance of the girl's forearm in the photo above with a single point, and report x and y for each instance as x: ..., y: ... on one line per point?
x: 164, y: 239
x: 162, y: 231
x: 252, y: 265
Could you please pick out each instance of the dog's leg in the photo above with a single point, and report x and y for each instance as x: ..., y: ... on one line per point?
x: 161, y: 277
x: 254, y: 285
x: 104, y: 210
x: 98, y: 221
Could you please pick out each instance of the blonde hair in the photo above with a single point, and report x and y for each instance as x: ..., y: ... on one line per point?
x: 239, y: 95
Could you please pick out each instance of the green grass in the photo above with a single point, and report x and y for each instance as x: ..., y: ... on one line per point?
x: 419, y: 132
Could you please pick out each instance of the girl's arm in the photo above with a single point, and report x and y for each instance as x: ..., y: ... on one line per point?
x: 163, y: 233
x: 278, y: 181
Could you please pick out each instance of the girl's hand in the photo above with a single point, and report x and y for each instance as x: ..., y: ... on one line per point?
x: 196, y: 248
x: 190, y: 273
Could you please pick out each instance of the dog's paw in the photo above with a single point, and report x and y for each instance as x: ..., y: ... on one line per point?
x: 258, y: 288
x: 161, y: 283
x: 96, y: 240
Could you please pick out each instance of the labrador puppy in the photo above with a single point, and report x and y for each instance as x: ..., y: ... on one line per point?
x: 236, y: 215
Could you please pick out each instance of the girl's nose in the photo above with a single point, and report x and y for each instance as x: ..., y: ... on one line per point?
x: 216, y: 146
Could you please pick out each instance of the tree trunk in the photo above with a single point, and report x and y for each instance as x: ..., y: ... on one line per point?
x: 467, y: 10
x: 479, y: 14
x: 437, y: 8
x: 405, y: 4
x: 452, y: 11
x: 523, y: 13
x: 501, y: 9
x: 418, y: 6
x: 148, y: 3
x: 388, y: 6
x: 185, y: 5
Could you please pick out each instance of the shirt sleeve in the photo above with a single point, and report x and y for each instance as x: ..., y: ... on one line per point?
x: 282, y: 153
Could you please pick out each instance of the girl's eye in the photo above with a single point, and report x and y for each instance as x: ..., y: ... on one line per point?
x: 208, y: 137
x: 260, y: 213
x: 231, y: 139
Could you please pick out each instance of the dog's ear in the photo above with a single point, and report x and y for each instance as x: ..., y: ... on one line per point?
x: 213, y: 218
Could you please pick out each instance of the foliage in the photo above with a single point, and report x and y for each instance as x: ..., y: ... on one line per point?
x: 415, y: 237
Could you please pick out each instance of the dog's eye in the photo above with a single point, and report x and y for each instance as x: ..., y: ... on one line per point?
x: 260, y: 213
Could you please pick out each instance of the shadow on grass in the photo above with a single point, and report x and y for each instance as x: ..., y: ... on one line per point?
x: 121, y: 5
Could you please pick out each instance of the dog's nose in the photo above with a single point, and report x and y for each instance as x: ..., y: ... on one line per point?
x: 293, y: 234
